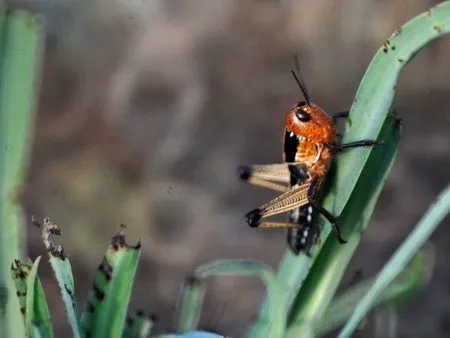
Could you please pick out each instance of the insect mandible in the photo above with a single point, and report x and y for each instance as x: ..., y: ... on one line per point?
x: 310, y: 143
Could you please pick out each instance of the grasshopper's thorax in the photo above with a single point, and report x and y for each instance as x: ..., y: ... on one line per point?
x: 309, y: 131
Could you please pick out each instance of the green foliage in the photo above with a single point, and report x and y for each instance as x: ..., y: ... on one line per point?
x: 109, y: 297
x: 412, y: 279
x: 301, y: 299
x: 33, y: 305
x: 311, y: 301
x: 421, y: 233
x: 20, y: 47
x: 138, y: 326
x: 105, y: 312
x: 189, y: 305
x: 311, y: 283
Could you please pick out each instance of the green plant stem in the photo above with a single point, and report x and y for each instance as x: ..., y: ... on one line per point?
x: 20, y: 47
x: 422, y: 231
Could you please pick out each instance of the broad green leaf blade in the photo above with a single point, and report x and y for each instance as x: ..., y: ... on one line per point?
x: 376, y: 92
x: 32, y: 298
x: 273, y: 324
x: 20, y: 272
x: 324, y: 277
x: 108, y: 300
x: 189, y: 305
x: 63, y: 273
x: 422, y: 231
x: 21, y: 41
x: 138, y: 326
x: 414, y: 278
x: 38, y: 315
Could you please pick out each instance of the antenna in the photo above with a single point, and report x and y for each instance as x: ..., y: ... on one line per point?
x: 299, y: 79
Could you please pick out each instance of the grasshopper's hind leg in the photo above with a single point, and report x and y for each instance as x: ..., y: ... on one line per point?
x: 288, y: 201
x: 271, y: 176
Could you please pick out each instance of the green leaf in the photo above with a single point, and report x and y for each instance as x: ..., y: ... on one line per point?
x: 138, y: 326
x: 189, y: 305
x: 367, y: 116
x: 324, y: 277
x: 32, y: 300
x: 412, y: 279
x: 376, y: 92
x: 273, y: 324
x: 108, y: 300
x: 62, y: 270
x: 422, y: 231
x: 21, y: 35
x: 20, y: 272
x: 63, y: 273
x: 38, y: 315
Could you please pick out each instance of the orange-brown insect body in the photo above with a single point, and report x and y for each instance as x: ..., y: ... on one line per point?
x: 320, y: 128
x: 312, y: 137
x: 310, y: 142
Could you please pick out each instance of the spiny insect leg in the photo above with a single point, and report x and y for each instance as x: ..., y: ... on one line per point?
x: 332, y: 221
x: 290, y: 200
x: 271, y: 176
x: 312, y: 192
x: 362, y: 143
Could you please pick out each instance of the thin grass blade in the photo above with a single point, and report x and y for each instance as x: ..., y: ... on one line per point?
x: 63, y: 274
x: 422, y: 231
x: 190, y: 305
x: 62, y: 269
x: 410, y: 281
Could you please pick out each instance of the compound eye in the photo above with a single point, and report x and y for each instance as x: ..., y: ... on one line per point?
x: 302, y: 115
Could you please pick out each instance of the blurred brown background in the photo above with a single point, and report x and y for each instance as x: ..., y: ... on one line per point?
x: 147, y: 107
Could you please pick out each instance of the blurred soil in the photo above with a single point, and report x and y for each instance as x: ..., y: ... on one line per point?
x: 147, y: 107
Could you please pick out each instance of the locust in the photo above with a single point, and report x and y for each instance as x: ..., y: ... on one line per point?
x: 310, y: 144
